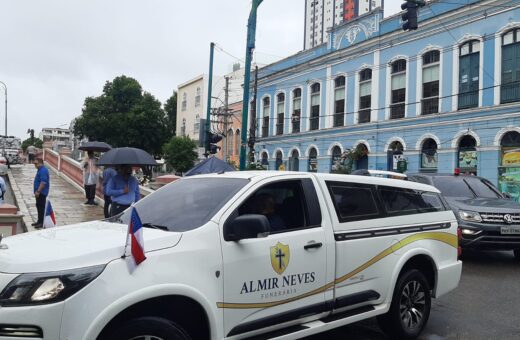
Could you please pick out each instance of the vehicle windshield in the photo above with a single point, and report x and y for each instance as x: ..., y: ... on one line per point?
x: 185, y: 204
x: 453, y: 187
x: 482, y: 188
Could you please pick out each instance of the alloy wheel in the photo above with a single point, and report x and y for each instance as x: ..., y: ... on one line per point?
x: 412, y: 305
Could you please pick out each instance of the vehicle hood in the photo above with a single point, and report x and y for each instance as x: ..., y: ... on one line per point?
x: 489, y: 205
x: 74, y: 246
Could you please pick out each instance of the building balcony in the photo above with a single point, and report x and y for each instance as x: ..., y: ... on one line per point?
x: 314, y: 123
x: 279, y: 129
x: 397, y: 111
x: 339, y: 119
x: 510, y: 93
x: 468, y: 100
x: 430, y: 105
x: 364, y: 116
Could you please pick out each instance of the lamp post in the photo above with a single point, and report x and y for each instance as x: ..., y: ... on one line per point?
x: 5, y: 92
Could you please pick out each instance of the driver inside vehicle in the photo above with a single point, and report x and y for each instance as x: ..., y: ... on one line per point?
x: 267, y: 207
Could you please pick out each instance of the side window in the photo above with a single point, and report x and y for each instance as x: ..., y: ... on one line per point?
x: 405, y: 202
x: 353, y: 202
x: 283, y: 203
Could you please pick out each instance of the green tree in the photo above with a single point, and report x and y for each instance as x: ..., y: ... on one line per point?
x: 180, y: 153
x: 37, y: 142
x: 171, y: 112
x: 124, y: 115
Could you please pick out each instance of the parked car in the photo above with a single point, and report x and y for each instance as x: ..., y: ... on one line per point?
x: 380, y: 173
x: 239, y: 255
x: 488, y: 219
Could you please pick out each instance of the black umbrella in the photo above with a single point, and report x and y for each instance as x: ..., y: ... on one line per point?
x: 127, y: 156
x: 95, y: 146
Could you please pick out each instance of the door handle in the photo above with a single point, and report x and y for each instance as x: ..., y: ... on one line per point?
x: 313, y: 245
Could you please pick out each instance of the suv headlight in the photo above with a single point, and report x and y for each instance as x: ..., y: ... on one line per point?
x: 46, y: 288
x: 470, y: 216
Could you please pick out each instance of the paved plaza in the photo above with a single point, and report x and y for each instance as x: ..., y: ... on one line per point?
x: 67, y: 200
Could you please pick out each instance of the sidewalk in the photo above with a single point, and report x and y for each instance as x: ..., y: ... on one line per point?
x: 66, y: 199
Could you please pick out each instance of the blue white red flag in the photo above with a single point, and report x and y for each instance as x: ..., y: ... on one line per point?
x: 135, y: 233
x: 49, y: 219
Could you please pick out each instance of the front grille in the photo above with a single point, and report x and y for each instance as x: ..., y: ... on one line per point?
x: 498, y: 218
x: 18, y: 331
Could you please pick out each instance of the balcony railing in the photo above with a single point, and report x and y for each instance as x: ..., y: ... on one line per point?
x: 430, y: 105
x: 295, y: 126
x: 397, y: 111
x: 315, y: 123
x: 468, y: 100
x: 279, y: 128
x: 364, y: 116
x: 510, y: 93
x: 339, y: 119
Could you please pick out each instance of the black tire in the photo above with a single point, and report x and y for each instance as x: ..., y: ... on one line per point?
x: 516, y: 252
x: 410, y: 308
x: 149, y: 328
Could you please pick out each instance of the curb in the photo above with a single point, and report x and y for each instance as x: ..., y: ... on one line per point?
x: 19, y: 202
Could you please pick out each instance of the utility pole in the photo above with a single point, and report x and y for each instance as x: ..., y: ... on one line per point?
x: 208, y: 111
x: 251, y: 36
x: 226, y: 115
x: 252, y: 130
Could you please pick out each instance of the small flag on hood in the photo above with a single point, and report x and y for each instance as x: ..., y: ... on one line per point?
x: 135, y: 235
x: 49, y: 221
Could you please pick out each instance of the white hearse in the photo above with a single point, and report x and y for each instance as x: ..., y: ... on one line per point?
x: 239, y: 255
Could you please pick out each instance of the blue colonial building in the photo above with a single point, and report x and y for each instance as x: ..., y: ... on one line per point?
x: 443, y: 97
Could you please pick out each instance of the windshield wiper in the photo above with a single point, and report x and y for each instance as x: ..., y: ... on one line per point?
x: 154, y: 226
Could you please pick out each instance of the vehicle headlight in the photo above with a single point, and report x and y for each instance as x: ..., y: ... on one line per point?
x: 470, y: 216
x: 45, y: 288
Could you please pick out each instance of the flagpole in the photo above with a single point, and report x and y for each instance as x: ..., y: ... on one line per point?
x: 127, y: 234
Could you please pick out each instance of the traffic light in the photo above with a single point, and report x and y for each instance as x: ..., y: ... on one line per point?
x: 410, y: 16
x: 214, y: 138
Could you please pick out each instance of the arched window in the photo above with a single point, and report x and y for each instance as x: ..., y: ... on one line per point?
x: 279, y: 160
x: 365, y: 96
x: 394, y: 155
x: 280, y: 113
x: 467, y: 155
x: 266, y: 108
x: 183, y: 127
x: 294, y: 161
x: 335, y: 159
x: 196, y: 125
x: 362, y: 159
x: 197, y: 97
x: 313, y: 160
x: 265, y: 160
x: 430, y: 82
x: 238, y: 140
x: 339, y: 101
x: 469, y: 73
x: 315, y: 107
x: 397, y: 107
x: 297, y: 110
x: 510, y: 89
x: 229, y: 143
x: 429, y: 158
x: 184, y: 102
x: 509, y: 170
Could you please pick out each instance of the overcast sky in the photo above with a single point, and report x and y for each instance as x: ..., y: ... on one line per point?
x: 54, y: 53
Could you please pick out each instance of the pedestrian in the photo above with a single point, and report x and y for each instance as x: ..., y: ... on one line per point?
x: 31, y: 151
x: 108, y: 174
x: 90, y: 177
x: 41, y: 190
x: 3, y: 189
x: 124, y: 190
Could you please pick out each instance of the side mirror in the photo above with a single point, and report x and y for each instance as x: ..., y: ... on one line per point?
x: 506, y: 195
x: 246, y: 227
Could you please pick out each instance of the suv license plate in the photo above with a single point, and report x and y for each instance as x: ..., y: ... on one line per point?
x: 510, y: 230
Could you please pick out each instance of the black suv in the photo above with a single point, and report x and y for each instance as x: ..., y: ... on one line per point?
x: 487, y: 219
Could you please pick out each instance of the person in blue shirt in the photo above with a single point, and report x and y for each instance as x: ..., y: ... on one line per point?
x: 108, y: 174
x: 124, y: 190
x: 41, y: 190
x: 3, y: 189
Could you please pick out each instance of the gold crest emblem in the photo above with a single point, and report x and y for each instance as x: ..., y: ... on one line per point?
x: 280, y: 255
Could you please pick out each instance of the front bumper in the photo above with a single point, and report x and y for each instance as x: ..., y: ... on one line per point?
x: 488, y: 237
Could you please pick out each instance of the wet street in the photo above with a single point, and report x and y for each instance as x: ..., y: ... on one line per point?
x: 486, y: 305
